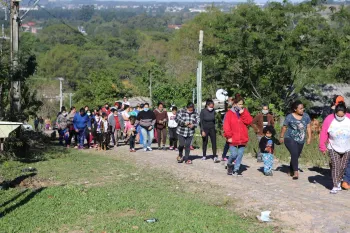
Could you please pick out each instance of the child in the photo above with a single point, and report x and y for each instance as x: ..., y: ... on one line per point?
x: 132, y: 133
x: 267, y: 146
x: 47, y: 123
x: 172, y: 125
x: 98, y: 131
x: 105, y: 131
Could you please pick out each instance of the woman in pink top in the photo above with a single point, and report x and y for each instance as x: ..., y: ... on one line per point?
x: 335, y: 137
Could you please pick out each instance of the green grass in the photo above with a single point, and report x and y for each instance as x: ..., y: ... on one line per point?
x: 92, y: 193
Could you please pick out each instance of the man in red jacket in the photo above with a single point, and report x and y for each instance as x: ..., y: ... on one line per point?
x: 236, y: 124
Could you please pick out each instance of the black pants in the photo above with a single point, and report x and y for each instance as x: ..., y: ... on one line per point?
x: 295, y: 150
x: 99, y: 139
x: 173, y: 137
x: 72, y: 134
x: 106, y: 139
x: 212, y: 134
x: 132, y: 141
x: 226, y: 148
x: 185, y: 142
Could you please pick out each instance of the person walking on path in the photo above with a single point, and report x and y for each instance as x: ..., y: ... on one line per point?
x: 293, y: 134
x: 80, y: 122
x: 260, y: 121
x: 161, y: 121
x: 267, y: 148
x: 235, y: 127
x: 187, y: 120
x: 116, y: 123
x: 146, y: 119
x: 71, y: 129
x: 335, y: 137
x: 62, y: 125
x: 172, y: 126
x: 207, y: 124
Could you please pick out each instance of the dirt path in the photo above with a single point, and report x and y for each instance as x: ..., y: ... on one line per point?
x: 304, y: 205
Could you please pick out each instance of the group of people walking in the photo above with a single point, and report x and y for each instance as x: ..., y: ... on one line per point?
x: 104, y: 127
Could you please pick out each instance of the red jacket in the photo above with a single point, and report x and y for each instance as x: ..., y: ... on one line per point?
x: 236, y: 128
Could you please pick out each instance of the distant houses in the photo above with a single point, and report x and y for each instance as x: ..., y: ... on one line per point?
x: 174, y: 26
x: 31, y: 27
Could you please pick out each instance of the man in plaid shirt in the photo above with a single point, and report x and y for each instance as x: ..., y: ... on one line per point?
x: 187, y: 120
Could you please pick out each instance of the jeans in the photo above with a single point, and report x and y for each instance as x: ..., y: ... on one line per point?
x: 210, y: 133
x: 81, y: 137
x: 295, y: 150
x: 147, y: 137
x: 347, y: 173
x: 236, y: 154
x: 185, y: 142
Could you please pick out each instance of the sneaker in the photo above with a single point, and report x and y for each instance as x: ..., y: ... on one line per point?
x: 216, y: 160
x: 334, y: 190
x: 164, y: 148
x: 269, y: 173
x: 179, y: 159
x: 229, y: 169
x: 204, y: 158
x: 133, y: 150
x: 149, y: 148
x: 176, y: 149
x: 225, y: 159
x: 159, y: 148
x: 191, y: 148
x: 237, y: 174
x: 145, y: 149
x: 68, y: 146
x: 171, y: 148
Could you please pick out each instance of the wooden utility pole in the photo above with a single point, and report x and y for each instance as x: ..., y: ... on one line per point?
x: 150, y: 86
x: 15, y: 83
x: 199, y: 73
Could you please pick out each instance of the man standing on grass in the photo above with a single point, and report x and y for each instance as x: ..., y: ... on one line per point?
x: 80, y: 122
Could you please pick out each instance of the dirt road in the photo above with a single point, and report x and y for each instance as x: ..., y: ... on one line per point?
x: 304, y: 205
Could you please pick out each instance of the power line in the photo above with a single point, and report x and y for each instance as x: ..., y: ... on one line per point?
x: 64, y: 23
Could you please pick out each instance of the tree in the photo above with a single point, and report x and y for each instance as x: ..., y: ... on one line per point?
x: 98, y: 88
x: 86, y: 12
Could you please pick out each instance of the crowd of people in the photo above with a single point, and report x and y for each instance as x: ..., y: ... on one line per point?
x: 105, y: 127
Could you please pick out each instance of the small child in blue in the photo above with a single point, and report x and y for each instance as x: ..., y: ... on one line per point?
x: 267, y: 146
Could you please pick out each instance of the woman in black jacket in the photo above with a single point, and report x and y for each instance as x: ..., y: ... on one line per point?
x: 207, y: 124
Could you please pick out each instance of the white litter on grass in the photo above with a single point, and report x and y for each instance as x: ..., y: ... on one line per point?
x: 265, y: 216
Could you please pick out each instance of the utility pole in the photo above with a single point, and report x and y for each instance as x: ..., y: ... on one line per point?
x: 199, y: 73
x: 15, y: 83
x: 150, y: 85
x: 61, y: 93
x: 193, y: 94
x: 70, y: 100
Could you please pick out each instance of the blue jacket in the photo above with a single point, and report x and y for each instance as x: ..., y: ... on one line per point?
x: 81, y: 121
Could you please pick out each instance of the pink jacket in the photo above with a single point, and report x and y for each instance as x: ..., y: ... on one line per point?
x: 324, y: 132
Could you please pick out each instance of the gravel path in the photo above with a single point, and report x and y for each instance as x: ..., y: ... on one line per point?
x: 304, y: 205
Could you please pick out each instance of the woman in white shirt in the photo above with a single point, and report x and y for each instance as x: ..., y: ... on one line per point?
x: 335, y: 137
x: 172, y: 125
